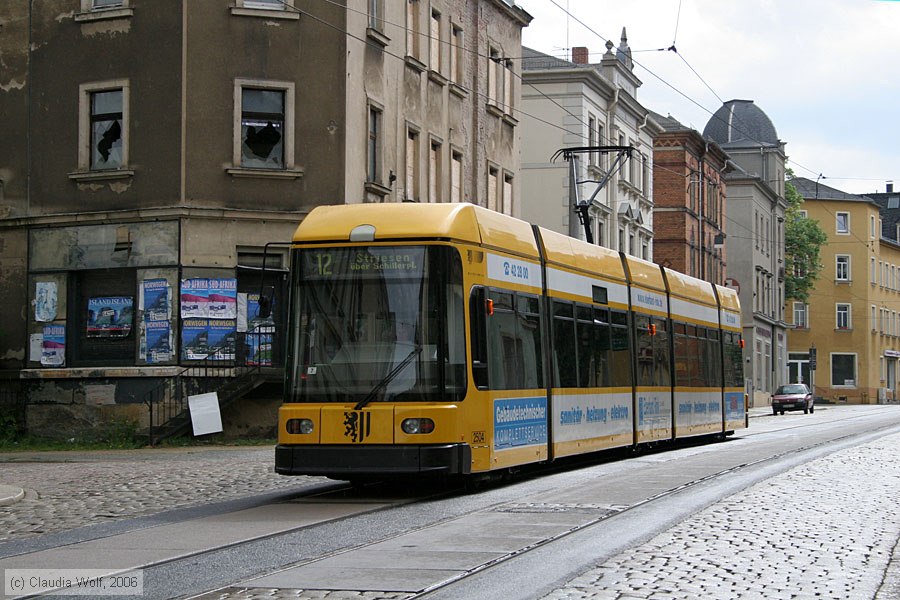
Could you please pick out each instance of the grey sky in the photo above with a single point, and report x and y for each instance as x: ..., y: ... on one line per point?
x: 825, y: 71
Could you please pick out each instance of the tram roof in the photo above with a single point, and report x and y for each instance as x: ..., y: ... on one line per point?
x: 728, y: 298
x: 564, y: 250
x: 645, y: 274
x: 460, y: 222
x: 690, y: 289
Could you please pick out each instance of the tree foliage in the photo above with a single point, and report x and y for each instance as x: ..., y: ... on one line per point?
x: 802, y: 239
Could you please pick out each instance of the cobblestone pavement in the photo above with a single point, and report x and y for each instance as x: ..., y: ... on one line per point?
x: 86, y: 488
x: 823, y: 530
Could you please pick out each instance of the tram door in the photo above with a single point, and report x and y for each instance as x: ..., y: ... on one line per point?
x: 798, y: 368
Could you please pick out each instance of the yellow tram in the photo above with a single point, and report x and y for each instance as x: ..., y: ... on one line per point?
x: 450, y: 339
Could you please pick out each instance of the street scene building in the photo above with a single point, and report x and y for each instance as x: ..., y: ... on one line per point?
x: 140, y: 189
x: 755, y: 238
x: 577, y: 103
x: 689, y: 212
x: 851, y: 322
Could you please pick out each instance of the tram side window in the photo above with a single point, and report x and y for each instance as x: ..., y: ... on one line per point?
x: 685, y: 356
x: 661, y: 354
x: 714, y: 351
x: 644, y: 343
x: 593, y: 341
x: 564, y: 349
x: 478, y: 334
x: 513, y: 341
x: 734, y: 362
x: 620, y: 352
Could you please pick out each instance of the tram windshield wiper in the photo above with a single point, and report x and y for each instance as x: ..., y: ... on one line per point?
x: 388, y: 378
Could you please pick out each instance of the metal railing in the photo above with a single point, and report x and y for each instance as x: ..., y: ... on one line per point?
x: 232, y: 370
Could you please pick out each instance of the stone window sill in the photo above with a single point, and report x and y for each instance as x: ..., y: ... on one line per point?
x: 378, y: 37
x: 104, y: 14
x: 87, y: 176
x: 265, y: 13
x: 265, y: 173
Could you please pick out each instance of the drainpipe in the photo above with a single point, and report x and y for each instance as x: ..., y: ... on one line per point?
x: 610, y: 120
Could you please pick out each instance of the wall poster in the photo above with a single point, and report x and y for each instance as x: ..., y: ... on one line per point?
x: 53, y: 346
x: 110, y: 316
x: 45, y: 301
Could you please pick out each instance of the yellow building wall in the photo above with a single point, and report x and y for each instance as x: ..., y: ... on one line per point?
x: 872, y: 293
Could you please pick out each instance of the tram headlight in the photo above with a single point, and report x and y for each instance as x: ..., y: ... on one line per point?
x: 417, y: 426
x: 295, y: 426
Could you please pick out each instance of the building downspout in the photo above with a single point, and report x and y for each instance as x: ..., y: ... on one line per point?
x: 610, y: 120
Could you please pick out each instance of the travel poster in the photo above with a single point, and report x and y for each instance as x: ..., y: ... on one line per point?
x: 220, y: 339
x: 222, y: 294
x: 156, y: 300
x: 194, y: 339
x: 194, y: 298
x: 110, y: 316
x: 53, y: 346
x: 45, y: 300
x: 159, y: 342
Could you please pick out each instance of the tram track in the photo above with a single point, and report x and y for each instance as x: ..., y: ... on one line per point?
x: 593, y: 516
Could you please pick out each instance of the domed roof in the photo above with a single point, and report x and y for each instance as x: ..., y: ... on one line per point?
x: 741, y: 123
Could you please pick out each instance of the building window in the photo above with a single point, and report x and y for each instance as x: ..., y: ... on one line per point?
x: 373, y: 164
x: 874, y: 318
x: 842, y: 267
x: 412, y: 164
x: 592, y: 140
x: 493, y: 177
x: 436, y: 42
x: 507, y: 194
x: 376, y: 16
x: 100, y: 4
x: 265, y: 4
x: 800, y: 315
x: 872, y: 226
x: 843, y: 370
x: 456, y: 189
x: 842, y: 220
x: 412, y: 28
x: 262, y: 128
x: 874, y: 271
x: 103, y: 128
x: 508, y: 86
x: 493, y: 67
x: 434, y: 172
x: 456, y: 57
x: 107, y: 144
x: 842, y: 312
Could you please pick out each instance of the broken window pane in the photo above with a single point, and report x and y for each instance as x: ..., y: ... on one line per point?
x: 106, y: 129
x: 262, y: 128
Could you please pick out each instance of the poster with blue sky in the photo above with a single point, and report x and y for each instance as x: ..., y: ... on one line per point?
x: 110, y: 316
x: 156, y: 300
x: 159, y: 342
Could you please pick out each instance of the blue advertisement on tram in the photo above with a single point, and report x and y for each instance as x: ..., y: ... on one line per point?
x: 520, y: 422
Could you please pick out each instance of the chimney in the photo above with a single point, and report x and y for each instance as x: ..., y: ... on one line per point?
x: 890, y: 187
x: 580, y: 55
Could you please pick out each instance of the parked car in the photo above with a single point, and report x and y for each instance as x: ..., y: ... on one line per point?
x: 793, y: 396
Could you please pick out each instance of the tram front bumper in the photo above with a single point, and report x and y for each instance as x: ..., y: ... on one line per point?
x: 348, y: 461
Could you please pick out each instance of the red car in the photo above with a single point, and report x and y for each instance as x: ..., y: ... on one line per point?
x: 794, y: 396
